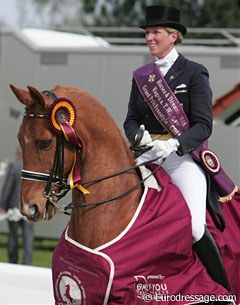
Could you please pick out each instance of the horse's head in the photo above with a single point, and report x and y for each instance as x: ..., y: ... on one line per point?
x: 67, y: 135
x: 40, y: 147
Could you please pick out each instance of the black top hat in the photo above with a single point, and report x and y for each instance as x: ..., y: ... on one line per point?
x: 159, y: 15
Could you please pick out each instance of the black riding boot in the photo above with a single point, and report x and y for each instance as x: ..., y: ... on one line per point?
x: 210, y: 256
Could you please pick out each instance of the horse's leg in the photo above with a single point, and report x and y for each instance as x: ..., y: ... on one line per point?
x: 210, y: 256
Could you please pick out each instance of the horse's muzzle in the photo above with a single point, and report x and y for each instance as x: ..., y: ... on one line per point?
x: 31, y: 211
x: 34, y: 214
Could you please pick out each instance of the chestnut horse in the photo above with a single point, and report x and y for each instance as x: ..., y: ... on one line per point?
x: 128, y: 240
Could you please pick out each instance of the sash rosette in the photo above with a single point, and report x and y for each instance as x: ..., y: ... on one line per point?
x: 170, y: 114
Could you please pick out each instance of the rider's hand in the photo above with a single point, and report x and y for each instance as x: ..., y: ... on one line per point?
x: 14, y: 215
x: 146, y: 138
x: 163, y: 149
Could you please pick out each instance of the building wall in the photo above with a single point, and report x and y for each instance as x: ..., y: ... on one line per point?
x: 107, y: 74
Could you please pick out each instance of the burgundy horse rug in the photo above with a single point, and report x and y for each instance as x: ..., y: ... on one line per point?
x: 150, y: 262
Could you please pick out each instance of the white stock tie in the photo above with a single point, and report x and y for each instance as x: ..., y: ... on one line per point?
x: 163, y: 65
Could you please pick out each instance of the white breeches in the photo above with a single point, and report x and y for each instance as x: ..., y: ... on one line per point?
x: 191, y: 181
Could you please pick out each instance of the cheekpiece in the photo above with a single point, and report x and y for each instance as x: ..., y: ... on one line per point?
x: 61, y: 111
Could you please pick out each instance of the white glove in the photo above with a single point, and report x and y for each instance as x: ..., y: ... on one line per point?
x: 163, y: 149
x: 146, y: 139
x: 14, y: 215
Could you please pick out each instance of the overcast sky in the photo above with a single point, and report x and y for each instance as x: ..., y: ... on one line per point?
x: 12, y: 10
x: 8, y: 12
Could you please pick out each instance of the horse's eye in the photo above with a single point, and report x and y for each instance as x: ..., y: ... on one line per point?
x: 44, y: 144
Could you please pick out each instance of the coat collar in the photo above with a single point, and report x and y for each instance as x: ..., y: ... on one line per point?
x: 176, y: 70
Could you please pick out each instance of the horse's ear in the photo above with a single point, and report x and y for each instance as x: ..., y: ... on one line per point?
x: 29, y: 97
x: 22, y: 95
x: 36, y: 96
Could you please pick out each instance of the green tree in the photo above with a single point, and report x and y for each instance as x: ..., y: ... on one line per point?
x: 195, y: 13
x: 222, y: 14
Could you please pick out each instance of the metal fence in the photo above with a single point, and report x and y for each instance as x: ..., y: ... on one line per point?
x: 135, y: 36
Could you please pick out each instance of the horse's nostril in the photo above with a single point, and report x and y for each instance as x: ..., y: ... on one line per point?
x: 33, y: 210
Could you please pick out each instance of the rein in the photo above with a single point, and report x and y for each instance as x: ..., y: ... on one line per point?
x: 56, y: 174
x: 119, y: 196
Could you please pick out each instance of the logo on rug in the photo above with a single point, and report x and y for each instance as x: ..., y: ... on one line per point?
x: 70, y: 290
x: 150, y: 287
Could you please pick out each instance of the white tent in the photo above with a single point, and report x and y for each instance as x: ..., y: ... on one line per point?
x: 53, y: 39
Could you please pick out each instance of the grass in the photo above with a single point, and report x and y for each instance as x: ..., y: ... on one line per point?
x: 42, y: 252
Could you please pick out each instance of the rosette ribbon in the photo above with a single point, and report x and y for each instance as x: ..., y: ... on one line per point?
x: 62, y: 116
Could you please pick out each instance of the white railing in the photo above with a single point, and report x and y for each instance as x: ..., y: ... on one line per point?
x: 135, y: 36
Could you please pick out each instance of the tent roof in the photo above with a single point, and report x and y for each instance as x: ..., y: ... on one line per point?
x: 41, y: 38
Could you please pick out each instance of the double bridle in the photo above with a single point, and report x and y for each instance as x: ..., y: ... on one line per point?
x: 55, y: 177
x: 56, y: 174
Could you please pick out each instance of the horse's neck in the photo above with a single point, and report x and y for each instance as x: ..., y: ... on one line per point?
x: 94, y: 226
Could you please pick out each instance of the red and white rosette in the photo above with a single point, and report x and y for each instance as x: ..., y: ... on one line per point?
x: 210, y: 161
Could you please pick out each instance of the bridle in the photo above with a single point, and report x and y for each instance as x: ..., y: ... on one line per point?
x: 56, y: 174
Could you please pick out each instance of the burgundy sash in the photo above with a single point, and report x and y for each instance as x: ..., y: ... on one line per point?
x: 170, y: 114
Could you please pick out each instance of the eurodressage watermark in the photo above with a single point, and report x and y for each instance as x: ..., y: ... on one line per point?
x: 197, y: 298
x: 189, y: 298
x: 192, y: 298
x: 154, y: 288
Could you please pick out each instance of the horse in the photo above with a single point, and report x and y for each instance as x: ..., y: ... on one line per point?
x: 128, y: 239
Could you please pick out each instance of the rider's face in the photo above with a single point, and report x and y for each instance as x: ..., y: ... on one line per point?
x: 159, y: 41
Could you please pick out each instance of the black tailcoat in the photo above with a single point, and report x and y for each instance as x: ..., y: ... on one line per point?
x: 189, y: 81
